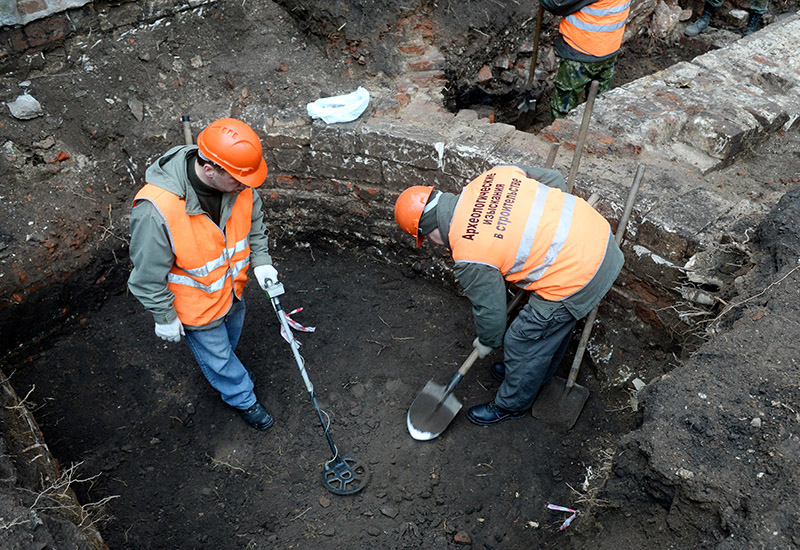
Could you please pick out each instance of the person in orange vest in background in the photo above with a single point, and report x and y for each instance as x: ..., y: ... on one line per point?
x: 196, y: 227
x: 590, y: 35
x: 517, y: 225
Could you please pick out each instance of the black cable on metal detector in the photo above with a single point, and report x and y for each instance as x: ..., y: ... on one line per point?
x: 340, y: 475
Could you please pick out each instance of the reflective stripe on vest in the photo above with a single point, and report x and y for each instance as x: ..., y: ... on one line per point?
x: 538, y: 237
x: 598, y: 28
x: 207, y: 271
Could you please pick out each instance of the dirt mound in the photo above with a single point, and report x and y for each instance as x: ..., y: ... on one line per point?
x: 714, y: 461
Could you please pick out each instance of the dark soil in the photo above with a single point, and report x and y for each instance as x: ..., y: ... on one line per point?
x: 190, y: 474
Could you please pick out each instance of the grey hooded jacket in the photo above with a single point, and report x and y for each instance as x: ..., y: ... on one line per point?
x: 151, y: 249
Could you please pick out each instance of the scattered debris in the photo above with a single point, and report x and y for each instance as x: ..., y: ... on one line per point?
x: 564, y: 509
x: 137, y: 108
x: 25, y: 107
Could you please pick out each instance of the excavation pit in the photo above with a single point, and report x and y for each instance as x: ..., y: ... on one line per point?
x: 176, y: 468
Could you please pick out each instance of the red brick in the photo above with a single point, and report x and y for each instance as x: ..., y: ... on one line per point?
x: 31, y: 6
x: 16, y: 40
x: 367, y: 193
x: 485, y: 74
x: 412, y: 49
x: 47, y: 30
x: 427, y: 64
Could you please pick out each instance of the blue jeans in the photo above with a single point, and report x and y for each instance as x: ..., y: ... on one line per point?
x: 532, y: 350
x: 214, y: 351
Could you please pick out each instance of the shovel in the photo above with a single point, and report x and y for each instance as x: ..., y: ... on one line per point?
x: 584, y: 129
x: 527, y: 109
x: 436, y: 406
x: 561, y: 401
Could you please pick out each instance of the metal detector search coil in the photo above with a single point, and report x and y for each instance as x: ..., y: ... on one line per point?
x: 340, y: 475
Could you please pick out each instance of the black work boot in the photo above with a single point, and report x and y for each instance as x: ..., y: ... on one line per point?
x: 498, y: 371
x: 701, y: 25
x: 490, y: 414
x: 258, y: 417
x: 752, y: 23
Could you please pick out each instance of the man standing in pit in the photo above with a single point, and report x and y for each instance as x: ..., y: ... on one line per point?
x: 590, y: 35
x: 196, y: 227
x: 518, y: 225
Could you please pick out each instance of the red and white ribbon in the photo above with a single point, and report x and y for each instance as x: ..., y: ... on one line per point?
x: 564, y: 509
x: 295, y: 325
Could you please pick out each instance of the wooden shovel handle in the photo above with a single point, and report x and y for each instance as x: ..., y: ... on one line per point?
x: 187, y: 130
x: 534, y: 57
x: 587, y: 327
x: 587, y: 115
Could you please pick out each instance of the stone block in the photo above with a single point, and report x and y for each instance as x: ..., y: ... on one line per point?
x: 420, y: 147
x: 714, y: 134
x: 296, y: 161
x: 282, y: 130
x: 8, y: 14
x: 347, y: 167
x: 469, y: 147
x: 400, y: 176
x: 521, y: 148
x: 464, y: 163
x: 339, y: 137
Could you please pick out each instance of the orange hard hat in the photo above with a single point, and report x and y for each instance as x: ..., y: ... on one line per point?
x: 409, y: 207
x: 235, y: 147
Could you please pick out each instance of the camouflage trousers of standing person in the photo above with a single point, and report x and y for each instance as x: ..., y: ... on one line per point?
x: 573, y: 79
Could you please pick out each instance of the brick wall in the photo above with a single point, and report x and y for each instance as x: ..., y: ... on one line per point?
x: 32, y: 25
x: 21, y: 12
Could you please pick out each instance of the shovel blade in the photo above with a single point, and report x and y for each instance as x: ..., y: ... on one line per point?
x: 558, y: 405
x: 431, y: 412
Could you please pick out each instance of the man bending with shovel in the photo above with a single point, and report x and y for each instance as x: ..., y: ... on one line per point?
x: 518, y: 225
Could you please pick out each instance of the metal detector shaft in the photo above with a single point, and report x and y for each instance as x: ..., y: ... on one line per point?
x: 276, y: 304
x: 340, y: 475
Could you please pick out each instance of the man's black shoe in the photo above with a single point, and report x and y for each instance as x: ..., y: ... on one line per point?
x: 258, y: 417
x: 490, y: 414
x: 498, y: 371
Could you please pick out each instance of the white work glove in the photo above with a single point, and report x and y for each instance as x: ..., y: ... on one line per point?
x: 483, y: 351
x: 264, y: 274
x: 171, y: 332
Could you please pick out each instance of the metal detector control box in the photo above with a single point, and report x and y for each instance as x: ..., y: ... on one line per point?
x: 274, y: 290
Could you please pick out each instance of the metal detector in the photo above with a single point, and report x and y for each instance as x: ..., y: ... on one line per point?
x: 341, y: 476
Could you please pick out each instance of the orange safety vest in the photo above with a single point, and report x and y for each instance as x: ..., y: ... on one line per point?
x: 210, y: 266
x: 539, y: 237
x: 596, y: 29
